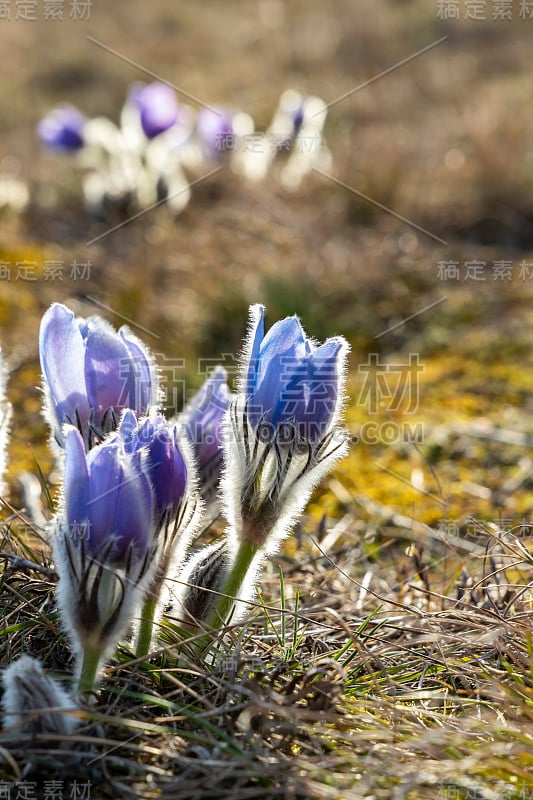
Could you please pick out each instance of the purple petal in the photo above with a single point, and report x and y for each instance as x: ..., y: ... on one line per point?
x: 134, y: 509
x: 106, y: 475
x: 298, y: 118
x: 211, y: 400
x: 311, y: 395
x: 204, y: 415
x: 62, y: 352
x: 127, y: 429
x: 286, y: 337
x: 109, y: 371
x: 167, y: 469
x: 281, y: 354
x: 120, y: 502
x: 145, y: 381
x: 147, y: 429
x: 76, y: 479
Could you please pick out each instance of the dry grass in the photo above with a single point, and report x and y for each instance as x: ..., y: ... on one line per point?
x: 372, y: 680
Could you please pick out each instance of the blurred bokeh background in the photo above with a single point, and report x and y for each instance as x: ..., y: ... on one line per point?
x: 419, y: 243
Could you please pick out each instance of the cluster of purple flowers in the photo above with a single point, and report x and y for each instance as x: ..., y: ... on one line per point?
x: 161, y: 144
x: 136, y: 487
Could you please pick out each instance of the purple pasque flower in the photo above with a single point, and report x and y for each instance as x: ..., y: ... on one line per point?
x: 292, y: 384
x: 203, y: 423
x: 157, y: 105
x: 215, y: 129
x: 281, y: 430
x: 91, y: 373
x: 157, y: 441
x: 108, y: 498
x: 62, y: 129
x: 104, y: 545
x: 166, y: 458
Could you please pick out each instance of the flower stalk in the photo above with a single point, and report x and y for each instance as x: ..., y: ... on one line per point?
x: 92, y: 656
x: 236, y: 579
x: 146, y: 625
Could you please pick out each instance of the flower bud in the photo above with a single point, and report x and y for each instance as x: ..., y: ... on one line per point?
x: 203, y: 422
x: 62, y: 129
x: 198, y: 584
x: 281, y: 431
x: 215, y: 129
x: 157, y: 106
x: 35, y: 702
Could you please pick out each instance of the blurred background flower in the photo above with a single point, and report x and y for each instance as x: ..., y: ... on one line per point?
x: 62, y: 129
x: 145, y: 160
x: 157, y: 105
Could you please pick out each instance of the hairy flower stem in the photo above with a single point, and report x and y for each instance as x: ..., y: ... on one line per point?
x: 144, y: 636
x: 89, y: 668
x: 236, y: 577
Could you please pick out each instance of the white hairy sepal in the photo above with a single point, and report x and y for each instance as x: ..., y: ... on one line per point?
x: 298, y: 488
x: 27, y: 690
x: 98, y: 600
x: 173, y: 545
x: 254, y: 315
x: 57, y: 441
x: 208, y: 569
x: 266, y: 485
